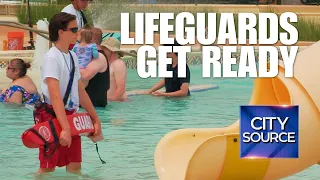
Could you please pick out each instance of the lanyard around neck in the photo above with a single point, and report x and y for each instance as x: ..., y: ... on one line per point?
x: 65, y: 60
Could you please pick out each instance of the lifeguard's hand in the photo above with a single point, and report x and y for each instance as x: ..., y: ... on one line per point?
x: 97, y: 135
x: 65, y: 138
x: 97, y: 128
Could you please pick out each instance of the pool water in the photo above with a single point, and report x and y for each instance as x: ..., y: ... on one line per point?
x: 132, y: 130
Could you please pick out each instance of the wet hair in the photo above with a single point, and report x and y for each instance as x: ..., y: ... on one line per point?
x: 57, y: 22
x: 175, y: 43
x: 86, y: 34
x: 97, y: 35
x: 21, y: 65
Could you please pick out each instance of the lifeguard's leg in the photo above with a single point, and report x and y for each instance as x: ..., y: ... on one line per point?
x: 48, y: 164
x: 75, y: 156
x: 74, y: 168
x: 45, y: 170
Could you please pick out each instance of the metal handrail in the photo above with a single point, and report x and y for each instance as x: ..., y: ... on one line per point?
x: 19, y: 24
x: 39, y: 32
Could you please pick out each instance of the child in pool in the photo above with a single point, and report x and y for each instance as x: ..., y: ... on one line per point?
x: 85, y: 49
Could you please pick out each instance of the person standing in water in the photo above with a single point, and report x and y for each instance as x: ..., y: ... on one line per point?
x: 22, y: 89
x: 59, y: 70
x: 76, y: 8
x: 118, y: 69
x: 97, y: 73
x: 175, y: 86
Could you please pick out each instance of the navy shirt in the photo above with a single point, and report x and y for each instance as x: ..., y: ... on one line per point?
x: 173, y: 84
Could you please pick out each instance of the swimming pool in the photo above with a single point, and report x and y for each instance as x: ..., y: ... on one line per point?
x: 132, y: 130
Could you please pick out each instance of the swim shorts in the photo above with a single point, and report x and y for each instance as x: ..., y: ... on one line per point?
x: 62, y: 155
x: 57, y: 155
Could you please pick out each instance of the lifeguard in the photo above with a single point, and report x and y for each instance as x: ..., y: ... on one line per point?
x: 63, y: 93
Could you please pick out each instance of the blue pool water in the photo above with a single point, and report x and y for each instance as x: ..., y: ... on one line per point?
x: 132, y: 130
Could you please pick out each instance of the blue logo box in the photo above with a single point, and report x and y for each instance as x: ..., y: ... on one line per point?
x: 269, y: 131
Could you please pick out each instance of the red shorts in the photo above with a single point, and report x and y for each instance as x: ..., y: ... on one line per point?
x: 62, y: 155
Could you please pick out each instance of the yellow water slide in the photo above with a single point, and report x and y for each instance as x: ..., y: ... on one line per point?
x: 214, y: 153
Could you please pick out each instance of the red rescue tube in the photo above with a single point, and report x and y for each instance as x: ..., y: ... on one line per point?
x: 80, y: 124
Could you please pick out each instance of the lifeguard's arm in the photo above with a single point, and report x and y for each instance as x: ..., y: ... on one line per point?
x: 95, y: 53
x: 57, y: 102
x: 156, y: 87
x: 94, y: 67
x: 16, y: 98
x: 120, y: 75
x: 184, y: 88
x: 51, y: 72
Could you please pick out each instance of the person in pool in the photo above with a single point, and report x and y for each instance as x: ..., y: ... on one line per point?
x: 175, y: 86
x: 60, y: 66
x: 118, y: 69
x: 97, y: 73
x: 21, y: 90
x: 76, y: 8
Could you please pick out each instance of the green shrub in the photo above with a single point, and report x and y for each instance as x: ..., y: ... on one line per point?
x: 308, y: 29
x: 39, y: 12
